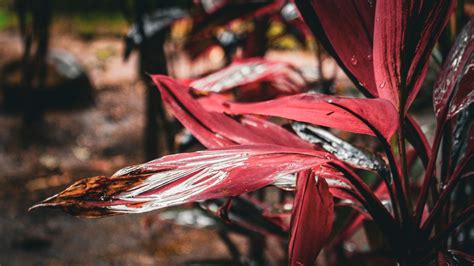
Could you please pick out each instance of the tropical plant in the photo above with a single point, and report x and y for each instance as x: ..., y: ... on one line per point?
x: 384, y: 46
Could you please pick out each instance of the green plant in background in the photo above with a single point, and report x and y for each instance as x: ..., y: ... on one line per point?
x: 7, y: 18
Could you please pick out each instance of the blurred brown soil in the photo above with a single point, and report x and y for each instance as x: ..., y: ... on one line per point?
x: 69, y: 145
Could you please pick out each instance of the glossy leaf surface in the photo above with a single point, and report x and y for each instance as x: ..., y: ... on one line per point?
x: 404, y: 34
x: 462, y: 134
x: 343, y: 150
x: 279, y: 75
x: 214, y: 129
x: 318, y: 109
x: 343, y: 22
x: 355, y: 20
x: 181, y: 178
x: 457, y: 76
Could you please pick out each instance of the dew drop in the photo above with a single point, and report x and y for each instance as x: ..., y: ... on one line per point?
x: 382, y: 84
x: 362, y: 83
x: 443, y: 186
x: 354, y: 60
x: 371, y: 3
x: 369, y: 57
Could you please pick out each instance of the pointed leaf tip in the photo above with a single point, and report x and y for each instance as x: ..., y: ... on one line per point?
x: 182, y: 178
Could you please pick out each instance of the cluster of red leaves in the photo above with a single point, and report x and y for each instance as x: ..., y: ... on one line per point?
x: 384, y: 47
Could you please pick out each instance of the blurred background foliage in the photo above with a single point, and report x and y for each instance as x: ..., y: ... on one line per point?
x: 91, y: 18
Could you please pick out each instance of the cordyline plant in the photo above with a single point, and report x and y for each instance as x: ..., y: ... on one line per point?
x: 384, y: 47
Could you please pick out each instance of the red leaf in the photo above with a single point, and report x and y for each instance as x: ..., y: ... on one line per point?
x: 273, y: 133
x: 218, y: 130
x: 454, y: 87
x: 344, y: 22
x: 355, y: 27
x: 312, y: 218
x: 318, y: 109
x: 464, y: 96
x: 281, y: 76
x: 182, y: 178
x: 454, y: 69
x: 404, y: 35
x: 255, y: 129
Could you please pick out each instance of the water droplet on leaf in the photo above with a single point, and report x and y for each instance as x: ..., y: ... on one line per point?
x: 354, y: 60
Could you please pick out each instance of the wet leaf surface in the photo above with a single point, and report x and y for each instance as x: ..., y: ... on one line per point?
x: 281, y: 76
x: 405, y: 32
x: 454, y: 88
x: 343, y: 150
x: 318, y: 109
x: 181, y: 178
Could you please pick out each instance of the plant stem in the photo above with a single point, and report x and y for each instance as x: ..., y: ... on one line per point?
x: 403, y: 160
x: 444, y: 197
x: 464, y: 218
x: 427, y: 179
x: 231, y: 247
x: 394, y: 185
x: 417, y: 139
x: 373, y: 205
